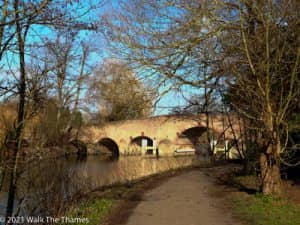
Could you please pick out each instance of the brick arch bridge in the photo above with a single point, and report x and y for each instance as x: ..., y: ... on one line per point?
x: 170, y: 134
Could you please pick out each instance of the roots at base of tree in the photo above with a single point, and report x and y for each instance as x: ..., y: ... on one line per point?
x: 270, y: 176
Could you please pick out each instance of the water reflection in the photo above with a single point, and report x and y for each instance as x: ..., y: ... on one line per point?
x: 47, y: 185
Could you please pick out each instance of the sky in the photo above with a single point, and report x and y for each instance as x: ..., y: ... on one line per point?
x: 37, y: 33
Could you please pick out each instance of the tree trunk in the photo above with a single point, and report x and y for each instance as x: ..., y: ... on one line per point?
x: 20, y: 120
x: 248, y: 166
x: 270, y: 174
x: 269, y: 158
x: 4, y: 15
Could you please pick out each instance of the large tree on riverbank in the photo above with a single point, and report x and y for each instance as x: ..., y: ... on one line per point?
x: 265, y: 69
x: 249, y: 47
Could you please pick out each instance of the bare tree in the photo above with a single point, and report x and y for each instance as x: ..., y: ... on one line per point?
x: 251, y: 46
x: 265, y: 67
x: 67, y: 59
x: 119, y: 93
x: 17, y: 20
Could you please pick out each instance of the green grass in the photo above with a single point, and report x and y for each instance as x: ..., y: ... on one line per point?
x: 95, y: 210
x: 265, y: 210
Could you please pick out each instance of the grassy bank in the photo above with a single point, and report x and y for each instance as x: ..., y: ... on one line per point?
x: 94, y: 210
x: 258, y: 209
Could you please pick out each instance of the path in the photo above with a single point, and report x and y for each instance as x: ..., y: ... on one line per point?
x: 181, y: 200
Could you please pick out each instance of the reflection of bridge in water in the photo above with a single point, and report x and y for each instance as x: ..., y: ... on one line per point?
x: 168, y: 134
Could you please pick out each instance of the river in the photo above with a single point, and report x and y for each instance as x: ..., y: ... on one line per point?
x: 46, y: 185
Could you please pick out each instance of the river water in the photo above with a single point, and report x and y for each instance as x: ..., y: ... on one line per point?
x: 46, y: 185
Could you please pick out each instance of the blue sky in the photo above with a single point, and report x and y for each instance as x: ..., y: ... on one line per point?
x: 38, y: 33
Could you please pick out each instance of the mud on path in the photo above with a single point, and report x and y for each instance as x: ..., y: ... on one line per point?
x: 186, y: 199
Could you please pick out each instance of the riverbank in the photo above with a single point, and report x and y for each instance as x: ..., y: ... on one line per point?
x: 232, y: 196
x: 111, y: 205
x: 251, y: 207
x: 51, y: 187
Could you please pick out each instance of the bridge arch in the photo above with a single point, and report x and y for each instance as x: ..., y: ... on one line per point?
x: 111, y: 145
x: 194, y: 133
x: 195, y: 138
x: 165, y: 141
x: 165, y: 145
x: 136, y: 143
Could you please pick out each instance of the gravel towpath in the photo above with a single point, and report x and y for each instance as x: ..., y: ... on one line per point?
x: 182, y: 200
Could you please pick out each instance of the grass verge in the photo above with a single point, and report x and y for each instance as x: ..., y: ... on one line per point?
x: 93, y: 211
x: 259, y: 209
